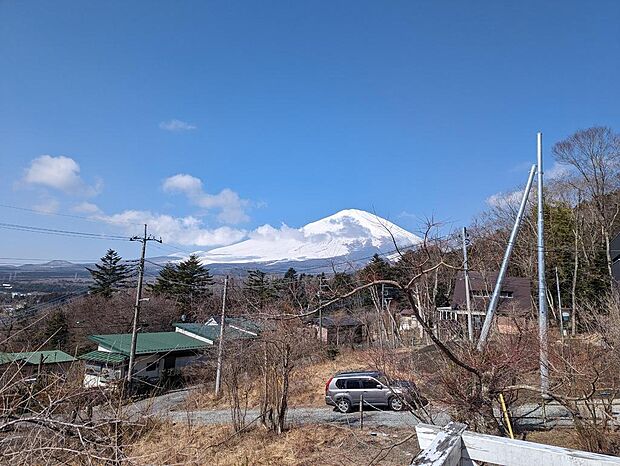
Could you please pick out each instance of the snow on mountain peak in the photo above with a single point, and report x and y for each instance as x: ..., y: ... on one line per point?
x: 344, y: 233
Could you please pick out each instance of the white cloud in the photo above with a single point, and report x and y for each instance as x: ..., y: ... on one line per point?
x: 176, y: 125
x: 232, y: 209
x: 268, y: 233
x: 556, y: 172
x: 512, y: 198
x: 60, y: 173
x: 183, y: 183
x: 47, y: 206
x: 86, y: 208
x: 177, y: 230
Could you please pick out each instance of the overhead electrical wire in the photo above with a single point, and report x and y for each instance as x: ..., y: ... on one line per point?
x: 58, y: 214
x: 58, y: 232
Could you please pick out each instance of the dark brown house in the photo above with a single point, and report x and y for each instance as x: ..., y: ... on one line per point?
x: 340, y: 330
x: 515, y: 302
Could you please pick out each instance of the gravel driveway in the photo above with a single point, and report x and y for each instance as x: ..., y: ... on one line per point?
x: 167, y: 406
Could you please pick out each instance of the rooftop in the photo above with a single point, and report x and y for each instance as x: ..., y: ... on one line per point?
x: 36, y: 357
x: 212, y: 332
x: 239, y: 322
x: 157, y: 342
x: 104, y: 356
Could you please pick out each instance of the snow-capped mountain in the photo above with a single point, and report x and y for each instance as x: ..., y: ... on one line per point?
x: 348, y: 234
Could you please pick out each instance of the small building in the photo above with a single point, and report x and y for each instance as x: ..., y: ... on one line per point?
x: 34, y: 362
x: 235, y: 328
x: 514, y: 307
x: 407, y: 320
x: 340, y: 330
x: 157, y: 354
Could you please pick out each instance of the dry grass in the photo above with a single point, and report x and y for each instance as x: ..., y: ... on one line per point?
x: 566, y: 438
x: 170, y: 444
x: 307, y: 384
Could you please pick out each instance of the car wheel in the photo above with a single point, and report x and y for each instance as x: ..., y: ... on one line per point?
x: 396, y: 404
x: 343, y: 405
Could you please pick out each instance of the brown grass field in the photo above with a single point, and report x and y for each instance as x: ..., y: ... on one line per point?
x: 177, y: 444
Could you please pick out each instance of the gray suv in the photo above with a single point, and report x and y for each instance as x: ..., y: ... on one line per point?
x: 345, y: 390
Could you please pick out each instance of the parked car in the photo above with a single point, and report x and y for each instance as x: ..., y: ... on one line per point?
x: 345, y: 390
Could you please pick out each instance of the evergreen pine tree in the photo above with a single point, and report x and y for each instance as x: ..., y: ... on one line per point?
x: 56, y: 333
x: 188, y: 282
x: 109, y: 275
x: 258, y: 288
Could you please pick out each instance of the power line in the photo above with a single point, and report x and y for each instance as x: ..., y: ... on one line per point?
x: 57, y: 214
x: 58, y: 232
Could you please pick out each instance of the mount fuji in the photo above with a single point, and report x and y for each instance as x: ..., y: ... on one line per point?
x: 346, y: 237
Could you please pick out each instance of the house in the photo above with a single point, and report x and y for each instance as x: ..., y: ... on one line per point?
x: 235, y: 328
x: 340, y: 330
x: 407, y: 320
x: 157, y: 353
x: 33, y: 362
x: 515, y: 303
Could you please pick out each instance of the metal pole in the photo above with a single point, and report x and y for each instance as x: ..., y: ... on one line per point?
x: 220, y: 347
x: 557, y: 285
x: 136, y: 308
x: 488, y: 320
x: 361, y: 411
x: 470, y: 324
x: 542, y: 288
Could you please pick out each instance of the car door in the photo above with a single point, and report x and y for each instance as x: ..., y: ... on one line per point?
x: 372, y: 395
x: 354, y: 390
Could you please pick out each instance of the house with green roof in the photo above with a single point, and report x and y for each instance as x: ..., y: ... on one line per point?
x: 235, y: 328
x: 33, y: 362
x: 157, y: 353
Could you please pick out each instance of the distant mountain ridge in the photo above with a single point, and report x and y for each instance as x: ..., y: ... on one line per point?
x: 344, y: 240
x: 346, y: 235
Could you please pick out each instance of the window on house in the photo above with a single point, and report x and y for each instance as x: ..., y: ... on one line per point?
x: 486, y: 294
x: 152, y: 366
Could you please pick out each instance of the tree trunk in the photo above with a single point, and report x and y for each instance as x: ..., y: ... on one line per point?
x: 574, y: 287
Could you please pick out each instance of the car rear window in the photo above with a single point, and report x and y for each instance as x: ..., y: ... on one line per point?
x: 340, y: 383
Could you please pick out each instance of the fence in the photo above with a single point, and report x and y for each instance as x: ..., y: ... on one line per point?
x: 453, y: 445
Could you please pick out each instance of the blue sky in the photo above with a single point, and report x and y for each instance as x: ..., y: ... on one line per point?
x: 280, y: 111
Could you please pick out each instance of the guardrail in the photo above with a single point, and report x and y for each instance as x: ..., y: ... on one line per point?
x: 453, y: 445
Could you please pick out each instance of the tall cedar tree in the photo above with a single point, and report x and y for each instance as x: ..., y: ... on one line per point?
x: 188, y: 282
x: 110, y: 275
x: 258, y: 289
x: 56, y: 333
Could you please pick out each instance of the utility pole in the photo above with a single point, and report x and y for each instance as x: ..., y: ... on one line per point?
x: 470, y: 324
x: 542, y: 287
x: 488, y: 320
x: 220, y: 347
x: 136, y: 310
x: 320, y: 310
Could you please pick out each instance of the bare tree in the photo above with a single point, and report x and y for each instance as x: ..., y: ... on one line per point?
x: 595, y: 155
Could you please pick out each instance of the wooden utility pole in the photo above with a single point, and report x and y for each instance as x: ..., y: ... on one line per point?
x: 220, y: 347
x: 136, y: 310
x: 470, y: 324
